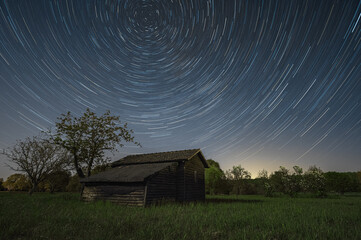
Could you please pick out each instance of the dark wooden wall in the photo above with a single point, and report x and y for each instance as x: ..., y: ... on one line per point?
x: 162, y: 186
x: 129, y: 194
x: 183, y: 181
x: 190, y: 183
x: 180, y: 188
x: 194, y: 178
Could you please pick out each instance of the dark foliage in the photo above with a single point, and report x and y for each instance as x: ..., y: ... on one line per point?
x: 342, y: 182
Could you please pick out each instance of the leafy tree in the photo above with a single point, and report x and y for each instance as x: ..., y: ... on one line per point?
x: 237, y: 175
x: 213, y: 163
x: 278, y: 180
x: 215, y: 180
x: 213, y: 177
x: 17, y: 182
x: 286, y: 182
x: 315, y: 181
x: 264, y: 180
x: 295, y: 184
x: 36, y: 157
x: 88, y: 137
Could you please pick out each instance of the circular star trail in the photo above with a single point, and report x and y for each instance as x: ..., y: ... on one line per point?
x: 257, y: 83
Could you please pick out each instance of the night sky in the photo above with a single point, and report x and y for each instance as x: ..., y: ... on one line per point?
x: 256, y: 83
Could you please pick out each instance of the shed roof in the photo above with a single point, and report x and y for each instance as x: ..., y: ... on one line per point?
x: 127, y: 173
x: 160, y: 157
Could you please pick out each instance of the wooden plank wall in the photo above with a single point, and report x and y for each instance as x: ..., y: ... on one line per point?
x: 162, y: 186
x: 194, y: 180
x: 180, y: 188
x: 132, y: 195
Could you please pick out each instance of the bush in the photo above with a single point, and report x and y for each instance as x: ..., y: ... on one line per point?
x: 17, y: 182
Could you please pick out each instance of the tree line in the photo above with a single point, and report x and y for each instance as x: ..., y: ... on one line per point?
x: 233, y: 181
x: 283, y: 181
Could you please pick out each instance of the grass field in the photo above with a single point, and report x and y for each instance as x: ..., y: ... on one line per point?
x: 64, y: 216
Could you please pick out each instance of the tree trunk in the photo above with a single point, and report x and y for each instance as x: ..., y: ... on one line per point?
x: 79, y: 171
x: 33, y: 188
x: 81, y: 190
x: 52, y: 188
x: 89, y: 171
x: 90, y: 164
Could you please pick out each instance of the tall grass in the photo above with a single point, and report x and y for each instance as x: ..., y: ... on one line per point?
x: 64, y: 216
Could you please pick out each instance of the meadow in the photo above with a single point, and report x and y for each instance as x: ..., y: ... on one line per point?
x: 64, y: 216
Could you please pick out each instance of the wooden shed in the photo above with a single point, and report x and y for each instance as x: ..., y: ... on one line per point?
x: 150, y: 178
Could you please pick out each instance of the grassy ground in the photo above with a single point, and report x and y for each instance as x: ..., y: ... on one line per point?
x: 64, y: 216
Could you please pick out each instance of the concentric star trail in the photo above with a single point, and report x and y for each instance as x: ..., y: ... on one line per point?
x: 257, y: 83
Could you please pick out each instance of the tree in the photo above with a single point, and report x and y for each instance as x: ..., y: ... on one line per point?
x: 286, y: 182
x: 88, y: 137
x: 295, y: 183
x: 214, y: 177
x: 279, y: 179
x: 276, y: 181
x: 264, y: 180
x: 237, y: 175
x: 213, y: 163
x: 315, y: 181
x: 35, y: 157
x: 17, y: 182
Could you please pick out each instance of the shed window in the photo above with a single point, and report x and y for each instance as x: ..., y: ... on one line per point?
x: 195, y: 176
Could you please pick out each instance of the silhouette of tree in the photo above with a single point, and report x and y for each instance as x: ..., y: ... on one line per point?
x: 88, y: 137
x: 35, y: 157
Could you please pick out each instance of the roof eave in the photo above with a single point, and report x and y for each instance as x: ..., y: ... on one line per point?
x: 109, y: 181
x: 201, y: 156
x: 139, y: 163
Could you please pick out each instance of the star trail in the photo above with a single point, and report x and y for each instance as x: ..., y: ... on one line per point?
x: 257, y: 83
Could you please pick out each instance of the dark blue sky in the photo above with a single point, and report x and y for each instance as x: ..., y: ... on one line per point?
x: 257, y: 83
